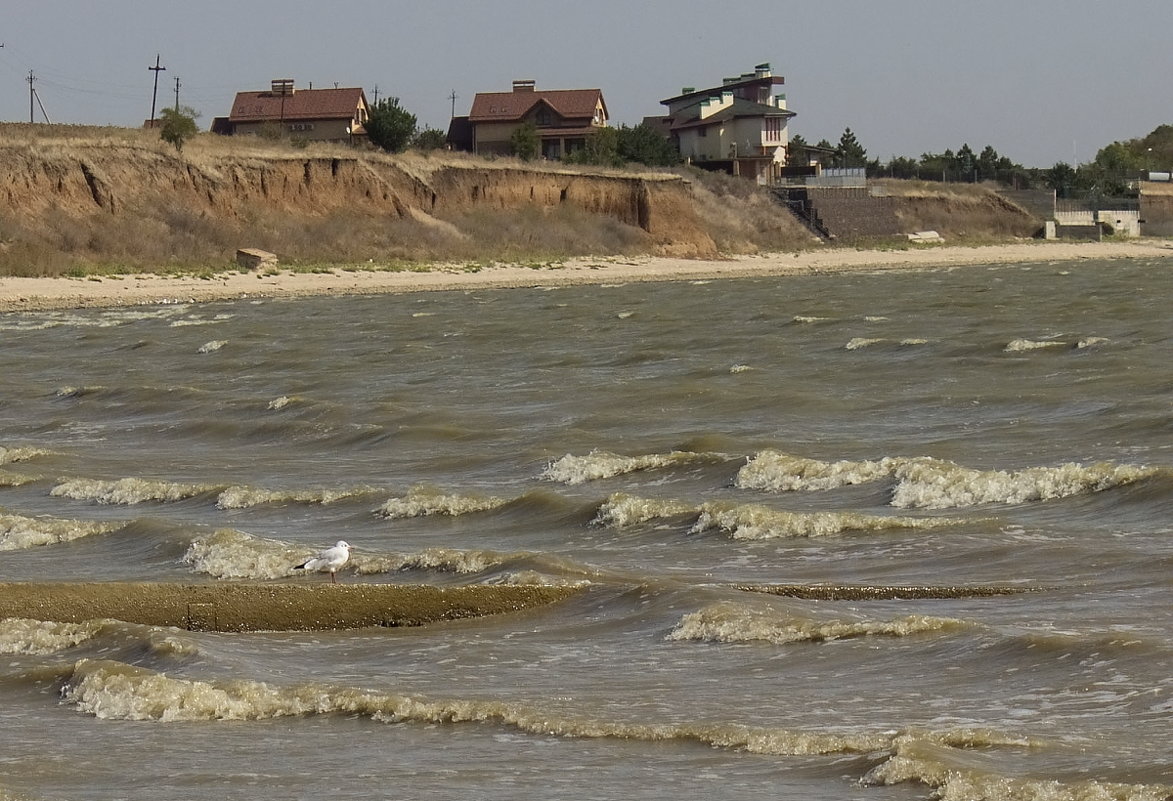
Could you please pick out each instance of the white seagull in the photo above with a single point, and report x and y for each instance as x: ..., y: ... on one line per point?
x: 328, y: 560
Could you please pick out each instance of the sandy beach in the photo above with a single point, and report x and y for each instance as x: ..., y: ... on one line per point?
x: 28, y: 294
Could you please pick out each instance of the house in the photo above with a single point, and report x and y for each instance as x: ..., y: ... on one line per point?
x: 564, y: 118
x: 328, y: 115
x: 739, y: 127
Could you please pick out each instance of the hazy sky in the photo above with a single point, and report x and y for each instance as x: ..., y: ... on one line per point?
x: 1040, y: 80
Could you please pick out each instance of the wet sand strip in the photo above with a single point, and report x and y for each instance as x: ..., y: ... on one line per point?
x: 873, y: 592
x: 267, y: 607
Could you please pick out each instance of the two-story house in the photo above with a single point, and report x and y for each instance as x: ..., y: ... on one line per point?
x: 332, y: 115
x: 563, y: 118
x: 739, y: 127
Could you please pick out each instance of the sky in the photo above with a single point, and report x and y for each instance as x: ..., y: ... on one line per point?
x: 1041, y: 81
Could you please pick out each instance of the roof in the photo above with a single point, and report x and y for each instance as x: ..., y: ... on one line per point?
x: 765, y: 80
x: 691, y: 117
x: 513, y: 106
x: 303, y: 104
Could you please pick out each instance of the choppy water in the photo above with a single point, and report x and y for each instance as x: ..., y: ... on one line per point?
x: 660, y: 445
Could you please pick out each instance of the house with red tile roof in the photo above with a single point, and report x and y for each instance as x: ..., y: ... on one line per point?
x: 739, y: 127
x: 331, y: 115
x: 564, y: 118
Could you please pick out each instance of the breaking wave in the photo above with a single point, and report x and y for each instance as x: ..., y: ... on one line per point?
x: 1021, y: 345
x: 729, y: 622
x: 19, y: 454
x: 936, y: 764
x: 928, y: 483
x: 428, y: 501
x: 129, y: 491
x: 20, y: 635
x: 18, y: 532
x: 753, y: 522
x: 933, y: 484
x: 244, y: 497
x: 597, y: 464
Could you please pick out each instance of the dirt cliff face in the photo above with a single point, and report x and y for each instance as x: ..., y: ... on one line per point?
x: 70, y: 196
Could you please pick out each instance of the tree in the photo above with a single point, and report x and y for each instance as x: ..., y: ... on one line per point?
x: 1061, y: 178
x: 390, y: 126
x: 524, y: 141
x: 601, y: 148
x: 178, y: 125
x: 430, y: 139
x: 643, y: 144
x: 966, y: 163
x: 850, y: 152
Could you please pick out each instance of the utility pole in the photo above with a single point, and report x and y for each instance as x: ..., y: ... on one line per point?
x: 32, y: 95
x: 176, y: 94
x: 376, y: 95
x: 155, y: 69
x: 453, y: 98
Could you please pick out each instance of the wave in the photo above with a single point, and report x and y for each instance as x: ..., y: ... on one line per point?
x: 232, y: 554
x: 116, y: 691
x: 129, y: 491
x: 213, y: 346
x: 928, y: 483
x: 20, y: 454
x: 424, y: 501
x: 18, y: 532
x: 751, y: 521
x: 728, y: 622
x: 935, y: 484
x: 775, y: 471
x: 1021, y: 345
x: 11, y: 479
x: 598, y: 464
x: 952, y: 774
x: 42, y: 637
x: 245, y: 497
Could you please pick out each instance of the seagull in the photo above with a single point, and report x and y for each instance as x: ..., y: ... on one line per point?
x: 328, y: 560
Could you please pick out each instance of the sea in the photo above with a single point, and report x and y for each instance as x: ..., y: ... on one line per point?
x: 874, y: 535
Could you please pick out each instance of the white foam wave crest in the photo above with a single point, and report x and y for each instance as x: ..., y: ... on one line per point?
x: 245, y: 497
x: 11, y: 479
x: 128, y: 491
x: 116, y: 691
x: 18, y: 532
x: 231, y: 554
x: 19, y: 454
x: 20, y: 635
x: 1021, y: 345
x: 213, y: 346
x: 927, y: 483
x: 728, y: 622
x: 955, y: 776
x: 858, y: 343
x: 621, y: 509
x: 280, y: 403
x: 935, y: 484
x: 571, y: 469
x: 775, y: 471
x: 428, y: 501
x: 752, y: 522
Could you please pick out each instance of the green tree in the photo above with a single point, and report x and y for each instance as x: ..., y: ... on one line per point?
x: 430, y: 139
x: 965, y: 163
x: 390, y: 126
x: 643, y: 144
x: 850, y: 153
x: 601, y: 148
x: 524, y: 141
x: 179, y: 125
x: 1061, y: 178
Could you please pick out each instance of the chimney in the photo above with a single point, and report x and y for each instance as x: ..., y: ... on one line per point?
x: 524, y: 85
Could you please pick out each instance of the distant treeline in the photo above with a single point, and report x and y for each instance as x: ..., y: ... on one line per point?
x: 1112, y: 173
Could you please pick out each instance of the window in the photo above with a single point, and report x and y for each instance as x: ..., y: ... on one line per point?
x: 773, y: 129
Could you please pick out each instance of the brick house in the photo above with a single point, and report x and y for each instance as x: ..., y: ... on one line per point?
x: 323, y: 115
x: 564, y: 118
x: 739, y: 127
